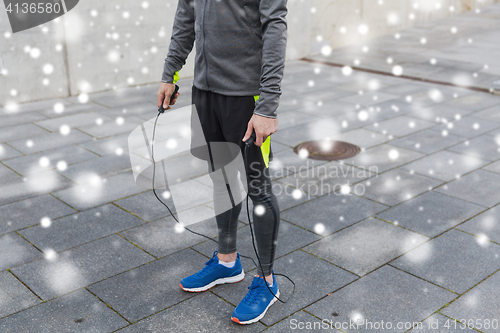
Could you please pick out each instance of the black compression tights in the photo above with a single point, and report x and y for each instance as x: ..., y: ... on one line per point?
x: 265, y: 219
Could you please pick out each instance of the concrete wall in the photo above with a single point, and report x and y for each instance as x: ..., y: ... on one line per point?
x: 102, y: 45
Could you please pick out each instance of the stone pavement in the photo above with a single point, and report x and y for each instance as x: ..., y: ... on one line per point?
x: 407, y: 231
x: 459, y: 49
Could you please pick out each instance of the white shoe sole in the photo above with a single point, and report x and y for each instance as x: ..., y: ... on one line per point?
x: 251, y: 321
x: 232, y: 279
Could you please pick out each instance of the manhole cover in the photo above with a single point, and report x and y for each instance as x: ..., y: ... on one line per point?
x: 327, y: 150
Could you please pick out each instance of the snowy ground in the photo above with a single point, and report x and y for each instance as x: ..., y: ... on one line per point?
x: 406, y: 232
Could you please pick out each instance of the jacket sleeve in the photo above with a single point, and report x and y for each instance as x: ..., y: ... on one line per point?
x: 181, y: 42
x: 274, y: 37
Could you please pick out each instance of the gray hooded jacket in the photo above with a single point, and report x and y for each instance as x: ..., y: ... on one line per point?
x: 240, y: 48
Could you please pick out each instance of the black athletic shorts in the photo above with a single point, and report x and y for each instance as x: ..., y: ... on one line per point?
x: 225, y: 119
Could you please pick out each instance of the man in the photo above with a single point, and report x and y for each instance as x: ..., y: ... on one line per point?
x: 239, y: 65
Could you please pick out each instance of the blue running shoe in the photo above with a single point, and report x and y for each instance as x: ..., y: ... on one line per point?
x: 212, y: 274
x: 255, y: 304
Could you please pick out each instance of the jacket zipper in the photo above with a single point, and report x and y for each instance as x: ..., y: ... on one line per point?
x: 204, y: 53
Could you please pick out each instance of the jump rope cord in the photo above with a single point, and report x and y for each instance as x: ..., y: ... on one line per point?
x: 194, y: 232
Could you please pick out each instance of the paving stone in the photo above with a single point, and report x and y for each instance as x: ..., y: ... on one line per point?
x: 304, y: 269
x: 192, y: 195
x: 331, y: 213
x: 369, y: 98
x: 14, y: 296
x: 494, y: 167
x: 443, y: 261
x: 423, y: 99
x: 431, y: 213
x: 99, y: 191
x: 21, y: 214
x: 317, y: 130
x: 400, y: 126
x: 78, y: 311
x: 485, y: 224
x: 102, y: 166
x: 73, y: 120
x: 112, y: 127
x: 290, y: 238
x: 144, y: 205
x: 308, y: 82
x: 492, y: 113
x: 478, y: 187
x: 294, y: 118
x: 462, y: 77
x: 426, y: 70
x: 305, y: 83
x: 23, y: 131
x: 451, y: 90
x: 301, y: 321
x: 394, y: 108
x: 483, y: 147
x: 15, y: 189
x: 349, y: 121
x: 395, y: 186
x: 288, y: 197
x: 386, y: 294
x: 79, y: 267
x: 438, y: 323
x: 454, y: 64
x: 362, y: 138
x: 404, y: 89
x: 49, y: 141
x: 142, y: 110
x: 15, y: 251
x: 322, y: 109
x: 290, y: 102
x: 29, y: 164
x: 445, y: 165
x: 428, y: 141
x: 325, y: 95
x: 382, y: 158
x: 440, y: 113
x: 469, y: 126
x: 163, y: 237
x: 124, y: 96
x: 287, y: 162
x: 158, y: 288
x: 366, y: 245
x: 326, y: 179
x: 199, y: 214
x: 70, y: 109
x: 108, y: 145
x: 475, y: 102
x: 278, y: 147
x: 15, y: 119
x: 479, y: 304
x: 298, y: 67
x: 212, y: 315
x: 40, y: 105
x: 372, y: 85
x: 80, y: 228
x: 7, y: 174
x: 7, y: 152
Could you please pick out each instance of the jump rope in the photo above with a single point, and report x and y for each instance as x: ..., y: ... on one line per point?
x: 248, y: 143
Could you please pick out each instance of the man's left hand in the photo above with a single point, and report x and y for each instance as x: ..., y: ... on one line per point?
x: 263, y: 127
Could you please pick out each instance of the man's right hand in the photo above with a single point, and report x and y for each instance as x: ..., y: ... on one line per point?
x: 166, y: 90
